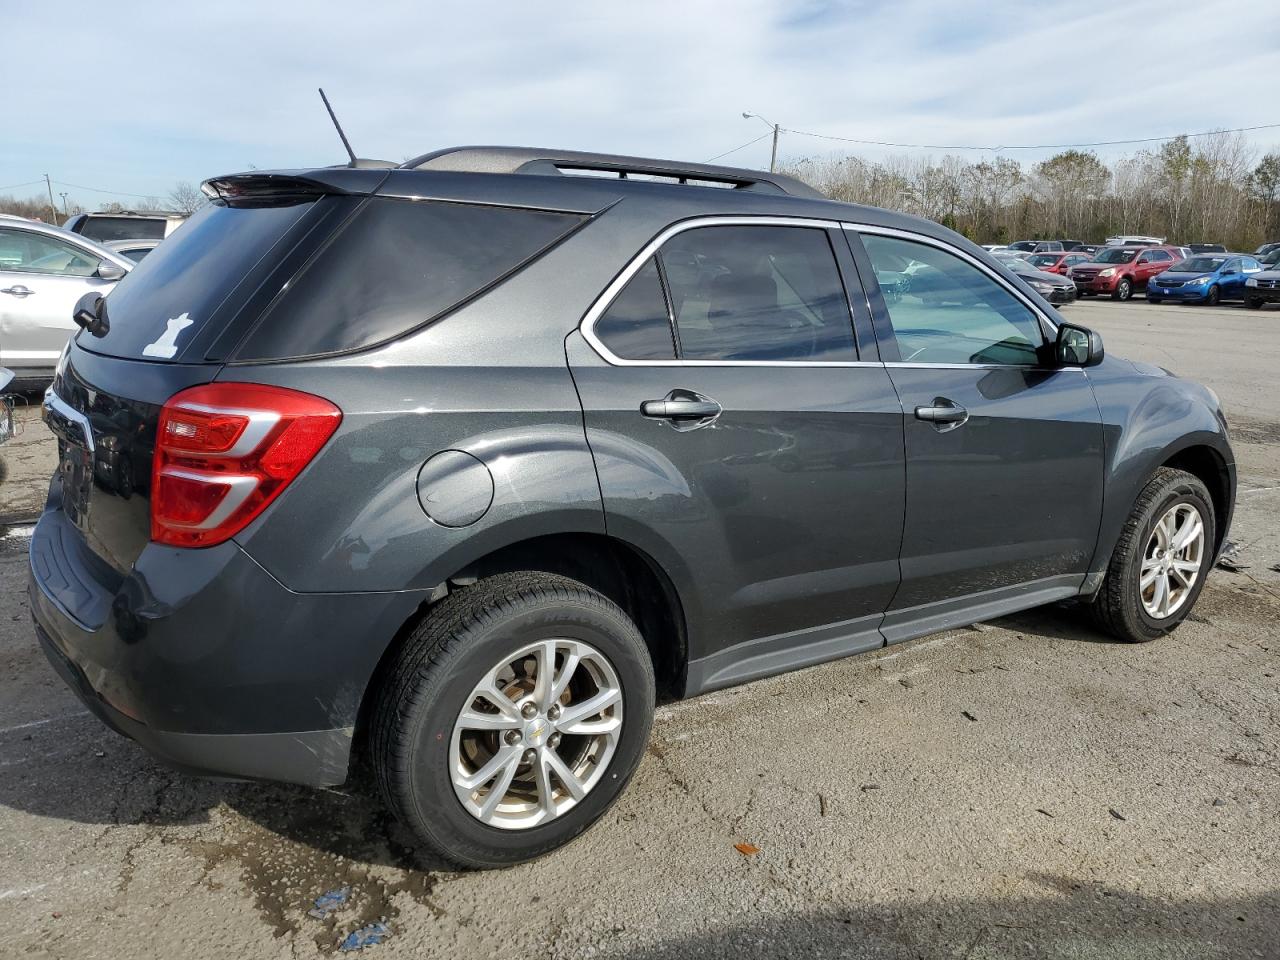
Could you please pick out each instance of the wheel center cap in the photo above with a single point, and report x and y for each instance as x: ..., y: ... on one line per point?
x: 536, y: 732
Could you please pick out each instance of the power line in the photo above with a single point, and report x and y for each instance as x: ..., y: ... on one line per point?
x: 29, y: 183
x: 1025, y: 146
x: 119, y: 193
x: 743, y: 147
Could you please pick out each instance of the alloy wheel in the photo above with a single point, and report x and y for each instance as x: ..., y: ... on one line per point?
x: 536, y: 734
x: 1172, y: 561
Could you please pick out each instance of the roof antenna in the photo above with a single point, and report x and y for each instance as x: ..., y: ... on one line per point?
x: 332, y: 116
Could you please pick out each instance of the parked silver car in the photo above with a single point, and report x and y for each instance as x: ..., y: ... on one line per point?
x: 44, y: 270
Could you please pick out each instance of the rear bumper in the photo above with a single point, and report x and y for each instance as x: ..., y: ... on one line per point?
x: 209, y: 662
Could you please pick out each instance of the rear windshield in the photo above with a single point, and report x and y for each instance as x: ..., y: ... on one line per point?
x: 158, y: 308
x: 397, y: 265
x: 123, y: 228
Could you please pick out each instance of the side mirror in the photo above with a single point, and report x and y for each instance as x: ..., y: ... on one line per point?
x: 107, y: 270
x: 1078, y: 346
x: 1229, y: 272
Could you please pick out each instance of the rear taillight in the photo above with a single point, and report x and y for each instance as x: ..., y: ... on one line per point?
x: 226, y: 450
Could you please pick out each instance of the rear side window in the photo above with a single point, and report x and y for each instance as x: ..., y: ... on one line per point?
x: 123, y: 228
x: 397, y: 265
x: 637, y: 325
x: 758, y: 293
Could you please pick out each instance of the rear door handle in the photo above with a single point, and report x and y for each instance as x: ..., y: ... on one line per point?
x: 680, y: 408
x: 18, y: 290
x: 943, y: 413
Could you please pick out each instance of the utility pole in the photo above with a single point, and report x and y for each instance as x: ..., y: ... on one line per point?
x: 52, y: 208
x: 773, y: 157
x: 63, y: 195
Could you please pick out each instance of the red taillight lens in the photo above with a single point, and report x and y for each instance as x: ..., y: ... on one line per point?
x: 226, y: 450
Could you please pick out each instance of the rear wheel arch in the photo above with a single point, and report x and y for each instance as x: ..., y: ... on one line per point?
x: 615, y: 568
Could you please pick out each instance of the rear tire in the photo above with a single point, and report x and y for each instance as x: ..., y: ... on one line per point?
x: 1124, y: 289
x: 1124, y: 605
x: 433, y: 729
x: 1213, y: 296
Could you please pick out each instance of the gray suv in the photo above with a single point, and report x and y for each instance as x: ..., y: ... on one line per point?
x: 455, y: 468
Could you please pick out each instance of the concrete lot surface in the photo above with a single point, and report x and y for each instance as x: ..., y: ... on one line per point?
x: 1023, y: 789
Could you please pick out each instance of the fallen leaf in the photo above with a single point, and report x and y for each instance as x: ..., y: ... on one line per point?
x: 746, y: 849
x: 968, y: 716
x: 1113, y: 812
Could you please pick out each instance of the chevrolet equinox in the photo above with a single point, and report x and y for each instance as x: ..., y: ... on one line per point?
x: 454, y: 468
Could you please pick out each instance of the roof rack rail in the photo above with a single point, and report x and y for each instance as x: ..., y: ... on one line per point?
x: 536, y: 160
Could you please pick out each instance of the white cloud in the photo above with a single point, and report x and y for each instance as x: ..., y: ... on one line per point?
x: 161, y: 91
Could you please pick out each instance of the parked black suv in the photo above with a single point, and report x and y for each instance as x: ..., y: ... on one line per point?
x: 464, y: 464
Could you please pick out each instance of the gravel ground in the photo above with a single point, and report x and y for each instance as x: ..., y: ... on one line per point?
x: 1022, y: 789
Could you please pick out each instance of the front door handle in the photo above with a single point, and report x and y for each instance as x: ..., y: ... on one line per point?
x: 681, y: 408
x: 943, y: 413
x: 18, y: 290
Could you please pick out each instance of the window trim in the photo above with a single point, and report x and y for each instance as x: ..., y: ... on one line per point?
x: 610, y: 293
x: 1048, y: 329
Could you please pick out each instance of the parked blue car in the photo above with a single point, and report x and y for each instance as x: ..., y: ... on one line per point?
x: 1204, y: 278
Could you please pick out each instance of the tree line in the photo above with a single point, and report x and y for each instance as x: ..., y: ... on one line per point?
x: 1212, y: 189
x: 184, y: 198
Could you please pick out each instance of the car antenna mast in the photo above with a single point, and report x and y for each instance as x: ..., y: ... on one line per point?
x: 334, y: 117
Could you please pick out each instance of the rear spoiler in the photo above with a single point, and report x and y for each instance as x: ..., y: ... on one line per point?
x: 284, y: 186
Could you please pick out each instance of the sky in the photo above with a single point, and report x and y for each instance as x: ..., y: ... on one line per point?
x: 135, y: 96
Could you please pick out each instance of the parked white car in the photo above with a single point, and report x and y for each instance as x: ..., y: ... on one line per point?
x: 44, y: 270
x: 1128, y: 240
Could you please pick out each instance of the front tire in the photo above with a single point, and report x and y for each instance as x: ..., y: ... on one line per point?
x: 1124, y: 289
x: 1161, y: 560
x: 511, y: 719
x: 1253, y: 304
x: 1213, y: 296
x: 1153, y: 300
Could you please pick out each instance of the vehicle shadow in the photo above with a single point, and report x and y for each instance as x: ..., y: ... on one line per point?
x: 81, y: 772
x: 1059, y: 917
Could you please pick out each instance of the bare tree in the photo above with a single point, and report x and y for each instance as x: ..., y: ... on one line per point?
x: 186, y: 198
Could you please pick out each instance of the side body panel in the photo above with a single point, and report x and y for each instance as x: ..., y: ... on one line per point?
x: 1150, y: 416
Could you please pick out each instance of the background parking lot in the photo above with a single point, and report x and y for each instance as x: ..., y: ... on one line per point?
x: 1023, y: 788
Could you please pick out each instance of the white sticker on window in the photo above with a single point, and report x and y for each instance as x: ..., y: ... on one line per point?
x: 167, y: 345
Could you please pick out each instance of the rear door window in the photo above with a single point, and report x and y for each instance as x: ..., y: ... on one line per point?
x: 762, y: 293
x: 395, y: 266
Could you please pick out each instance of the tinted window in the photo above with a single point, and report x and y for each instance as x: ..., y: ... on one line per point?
x: 758, y: 293
x: 190, y: 274
x: 636, y: 326
x: 123, y: 228
x: 136, y: 253
x: 952, y: 312
x: 23, y: 251
x: 395, y: 266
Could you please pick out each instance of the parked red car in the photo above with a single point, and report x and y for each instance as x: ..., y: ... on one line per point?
x: 1119, y: 271
x: 1058, y: 261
